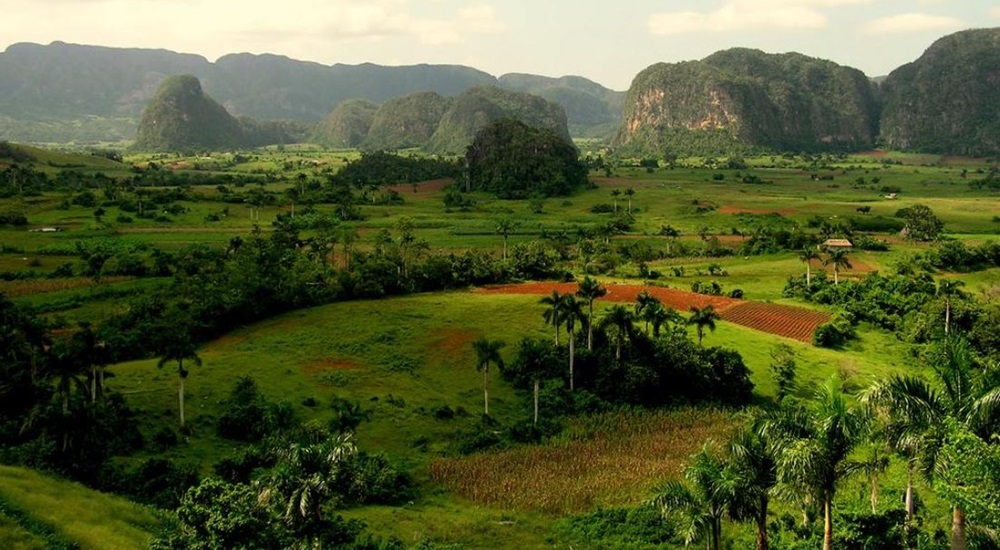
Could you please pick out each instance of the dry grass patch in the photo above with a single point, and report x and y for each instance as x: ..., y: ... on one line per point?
x: 607, y: 460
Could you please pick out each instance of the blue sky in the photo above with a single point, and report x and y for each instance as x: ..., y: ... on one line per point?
x: 605, y: 41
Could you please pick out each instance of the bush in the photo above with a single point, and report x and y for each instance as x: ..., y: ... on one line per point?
x: 835, y: 333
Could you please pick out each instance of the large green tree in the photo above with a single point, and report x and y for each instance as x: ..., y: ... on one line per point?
x: 590, y: 290
x: 702, y: 318
x: 179, y: 348
x: 817, y: 442
x: 962, y: 392
x: 487, y: 353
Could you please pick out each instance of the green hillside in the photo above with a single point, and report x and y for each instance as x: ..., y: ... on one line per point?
x: 948, y: 101
x: 39, y: 511
x: 347, y: 125
x: 476, y: 108
x: 591, y: 109
x: 182, y: 118
x: 409, y: 121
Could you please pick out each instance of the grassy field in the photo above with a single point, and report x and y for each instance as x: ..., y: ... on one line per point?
x: 35, y: 506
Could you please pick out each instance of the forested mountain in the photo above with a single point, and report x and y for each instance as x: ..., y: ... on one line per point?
x: 182, y: 118
x: 478, y: 107
x: 748, y: 99
x: 65, y: 92
x: 408, y: 121
x: 592, y: 109
x: 347, y: 125
x: 948, y: 101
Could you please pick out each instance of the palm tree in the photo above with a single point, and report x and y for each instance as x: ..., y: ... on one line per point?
x: 179, y: 348
x: 949, y: 290
x: 572, y: 312
x: 619, y: 318
x: 305, y: 477
x: 644, y: 301
x: 704, y: 501
x: 93, y: 353
x: 590, y: 290
x: 703, y: 318
x: 659, y: 315
x: 963, y: 393
x: 755, y: 458
x: 808, y: 255
x: 487, y: 353
x: 630, y: 193
x: 66, y: 369
x: 838, y: 258
x: 615, y: 193
x: 553, y: 314
x: 816, y: 443
x: 505, y: 228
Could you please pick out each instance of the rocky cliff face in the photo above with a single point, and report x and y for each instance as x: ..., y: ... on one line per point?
x: 182, y: 118
x: 747, y: 99
x: 948, y: 100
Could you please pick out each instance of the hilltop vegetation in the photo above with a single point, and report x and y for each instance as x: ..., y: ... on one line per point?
x: 748, y: 100
x: 405, y: 122
x: 946, y: 101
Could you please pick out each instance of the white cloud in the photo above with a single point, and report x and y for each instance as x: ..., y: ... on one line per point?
x: 911, y: 22
x: 307, y: 29
x: 741, y: 15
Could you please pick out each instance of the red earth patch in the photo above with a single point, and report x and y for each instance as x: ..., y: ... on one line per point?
x: 788, y: 321
x: 322, y: 366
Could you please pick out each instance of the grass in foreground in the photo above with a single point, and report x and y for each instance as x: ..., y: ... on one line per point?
x: 86, y: 517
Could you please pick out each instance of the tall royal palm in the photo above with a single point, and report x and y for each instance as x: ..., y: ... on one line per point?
x: 505, y: 228
x: 961, y: 392
x: 177, y: 349
x: 807, y: 255
x: 553, y: 312
x: 572, y: 312
x: 837, y: 257
x: 703, y: 318
x: 755, y: 459
x: 487, y: 353
x: 816, y: 442
x: 948, y: 290
x: 659, y: 315
x: 704, y: 501
x: 590, y: 290
x: 643, y: 302
x: 619, y: 319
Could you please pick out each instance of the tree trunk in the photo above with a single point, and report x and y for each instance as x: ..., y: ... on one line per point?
x: 536, y: 401
x: 762, y: 542
x: 716, y: 534
x: 554, y: 313
x: 958, y: 541
x: 808, y: 273
x: 100, y: 382
x: 571, y: 353
x: 486, y: 391
x: 93, y: 384
x: 180, y: 398
x: 947, y: 316
x: 505, y: 248
x: 827, y: 524
x: 836, y: 276
x: 590, y: 327
x: 909, y: 492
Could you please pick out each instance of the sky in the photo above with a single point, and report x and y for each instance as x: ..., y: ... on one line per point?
x: 606, y: 41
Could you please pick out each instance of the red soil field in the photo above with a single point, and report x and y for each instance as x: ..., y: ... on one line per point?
x: 424, y: 189
x: 788, y: 321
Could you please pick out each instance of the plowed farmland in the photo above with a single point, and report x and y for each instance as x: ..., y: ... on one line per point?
x: 788, y: 321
